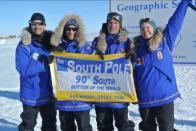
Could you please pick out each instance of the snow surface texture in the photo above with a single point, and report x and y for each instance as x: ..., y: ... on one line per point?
x: 185, y: 108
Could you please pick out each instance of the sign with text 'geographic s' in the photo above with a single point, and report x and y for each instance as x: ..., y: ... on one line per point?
x: 83, y: 77
x: 160, y: 11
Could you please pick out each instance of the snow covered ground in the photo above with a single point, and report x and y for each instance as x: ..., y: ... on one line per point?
x: 2, y: 41
x: 185, y: 108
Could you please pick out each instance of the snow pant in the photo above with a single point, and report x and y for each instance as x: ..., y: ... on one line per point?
x: 104, y: 117
x: 163, y: 115
x: 67, y: 119
x: 29, y: 117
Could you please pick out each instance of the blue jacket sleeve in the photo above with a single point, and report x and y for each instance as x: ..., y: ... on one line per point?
x: 25, y: 64
x: 175, y: 23
x: 87, y: 48
x: 127, y: 44
x: 94, y: 43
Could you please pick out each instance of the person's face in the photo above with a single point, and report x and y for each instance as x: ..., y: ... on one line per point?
x: 70, y: 33
x: 37, y: 27
x: 113, y: 26
x: 146, y: 30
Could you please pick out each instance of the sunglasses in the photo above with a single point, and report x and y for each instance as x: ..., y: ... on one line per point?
x: 73, y: 29
x: 37, y: 23
x: 114, y: 17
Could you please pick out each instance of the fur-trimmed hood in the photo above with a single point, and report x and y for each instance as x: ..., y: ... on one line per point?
x: 102, y: 44
x: 154, y: 42
x: 26, y: 36
x: 58, y: 33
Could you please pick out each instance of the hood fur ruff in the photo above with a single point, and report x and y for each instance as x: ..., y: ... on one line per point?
x: 58, y: 33
x: 26, y: 36
x: 154, y: 42
x: 102, y: 44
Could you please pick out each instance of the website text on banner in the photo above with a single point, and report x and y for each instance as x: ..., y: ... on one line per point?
x: 82, y: 77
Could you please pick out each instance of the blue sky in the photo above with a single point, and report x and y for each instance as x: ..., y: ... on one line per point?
x: 15, y: 14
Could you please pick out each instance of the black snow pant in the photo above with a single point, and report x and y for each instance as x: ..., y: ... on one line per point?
x: 104, y: 117
x: 67, y: 119
x: 161, y: 115
x: 29, y: 117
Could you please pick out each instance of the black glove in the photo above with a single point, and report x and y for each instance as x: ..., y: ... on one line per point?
x: 57, y: 48
x: 192, y: 7
x: 134, y: 103
x: 130, y: 54
x: 49, y: 59
x: 46, y: 60
x: 101, y: 54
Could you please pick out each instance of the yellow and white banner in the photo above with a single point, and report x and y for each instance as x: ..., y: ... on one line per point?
x: 83, y: 77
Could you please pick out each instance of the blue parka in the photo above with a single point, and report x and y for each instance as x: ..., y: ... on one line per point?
x: 154, y: 73
x: 111, y: 44
x: 35, y: 80
x: 78, y: 45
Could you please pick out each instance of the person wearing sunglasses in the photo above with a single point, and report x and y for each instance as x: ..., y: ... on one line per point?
x: 154, y: 74
x: 69, y: 37
x: 32, y: 63
x: 113, y: 39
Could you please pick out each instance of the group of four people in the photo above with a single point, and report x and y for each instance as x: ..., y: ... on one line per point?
x: 154, y: 77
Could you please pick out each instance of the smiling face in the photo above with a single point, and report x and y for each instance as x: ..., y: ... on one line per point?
x: 146, y: 30
x: 37, y: 27
x: 113, y: 26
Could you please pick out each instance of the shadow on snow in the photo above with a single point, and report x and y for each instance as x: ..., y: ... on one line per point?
x: 7, y: 126
x: 9, y: 94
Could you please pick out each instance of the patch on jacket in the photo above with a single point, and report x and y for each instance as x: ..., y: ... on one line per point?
x: 35, y: 56
x: 159, y: 55
x: 140, y: 61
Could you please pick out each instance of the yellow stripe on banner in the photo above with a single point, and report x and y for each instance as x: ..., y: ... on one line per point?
x: 87, y: 56
x: 55, y: 74
x: 96, y: 96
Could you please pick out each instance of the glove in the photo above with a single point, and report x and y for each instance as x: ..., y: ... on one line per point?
x: 49, y: 59
x: 192, y: 7
x: 57, y: 48
x: 130, y: 54
x: 46, y: 60
x: 134, y: 103
x: 101, y: 54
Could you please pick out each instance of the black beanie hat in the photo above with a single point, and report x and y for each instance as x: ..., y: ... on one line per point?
x: 37, y: 16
